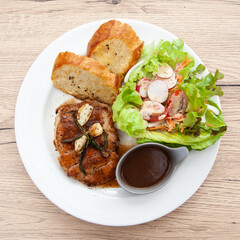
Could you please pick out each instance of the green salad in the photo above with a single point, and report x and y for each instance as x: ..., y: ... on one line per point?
x: 165, y: 100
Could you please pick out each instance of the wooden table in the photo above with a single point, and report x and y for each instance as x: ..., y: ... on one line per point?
x: 211, y: 28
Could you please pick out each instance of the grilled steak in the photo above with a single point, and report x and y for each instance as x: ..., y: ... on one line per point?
x: 96, y: 167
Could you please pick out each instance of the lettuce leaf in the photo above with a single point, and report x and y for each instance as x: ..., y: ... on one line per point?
x: 128, y: 94
x: 130, y: 119
x: 164, y: 52
x: 204, y: 140
x: 216, y: 122
x: 128, y: 100
x: 191, y: 119
x: 196, y: 102
x: 125, y: 110
x: 198, y: 92
x: 192, y: 132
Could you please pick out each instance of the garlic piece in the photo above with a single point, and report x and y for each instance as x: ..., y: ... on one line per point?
x: 84, y: 113
x: 95, y: 130
x: 80, y: 143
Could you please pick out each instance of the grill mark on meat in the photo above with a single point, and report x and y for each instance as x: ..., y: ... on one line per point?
x: 98, y: 169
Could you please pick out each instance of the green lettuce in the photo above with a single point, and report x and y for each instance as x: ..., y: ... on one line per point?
x: 193, y: 132
x: 200, y: 142
x: 125, y: 112
x: 130, y: 119
x: 198, y: 92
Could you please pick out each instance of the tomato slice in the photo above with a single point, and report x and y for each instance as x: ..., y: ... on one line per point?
x: 177, y: 103
x: 153, y: 119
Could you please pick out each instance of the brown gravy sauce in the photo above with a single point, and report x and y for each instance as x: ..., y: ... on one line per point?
x: 146, y: 167
x: 113, y: 183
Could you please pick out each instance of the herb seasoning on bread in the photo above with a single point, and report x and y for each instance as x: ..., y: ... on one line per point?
x: 84, y: 77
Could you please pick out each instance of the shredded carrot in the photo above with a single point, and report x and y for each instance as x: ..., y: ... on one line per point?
x: 186, y: 58
x: 171, y: 124
x: 174, y: 88
x: 179, y: 118
x: 186, y: 63
x: 210, y: 125
x: 179, y: 79
x: 182, y: 129
x: 157, y: 128
x: 183, y: 64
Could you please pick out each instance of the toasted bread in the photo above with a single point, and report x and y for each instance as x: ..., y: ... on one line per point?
x: 84, y: 77
x: 115, y: 45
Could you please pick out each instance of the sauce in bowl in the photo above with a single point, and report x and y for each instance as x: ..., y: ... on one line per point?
x: 146, y: 167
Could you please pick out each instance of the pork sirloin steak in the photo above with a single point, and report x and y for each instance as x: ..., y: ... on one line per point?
x: 98, y: 169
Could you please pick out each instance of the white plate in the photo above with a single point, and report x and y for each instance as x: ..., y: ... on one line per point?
x: 34, y: 119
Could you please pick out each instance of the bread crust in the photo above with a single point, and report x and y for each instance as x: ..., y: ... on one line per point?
x: 124, y: 32
x: 88, y: 64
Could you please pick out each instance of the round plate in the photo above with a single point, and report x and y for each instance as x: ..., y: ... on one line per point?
x: 34, y: 127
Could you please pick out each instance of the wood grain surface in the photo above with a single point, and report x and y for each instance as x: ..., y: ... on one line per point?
x: 211, y: 28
